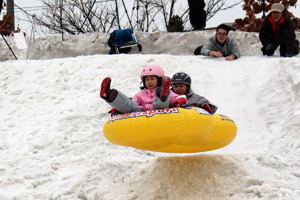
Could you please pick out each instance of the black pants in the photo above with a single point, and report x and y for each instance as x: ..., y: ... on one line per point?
x: 197, y: 13
x: 282, y: 49
x: 1, y: 3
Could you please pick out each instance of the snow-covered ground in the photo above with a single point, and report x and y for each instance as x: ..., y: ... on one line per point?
x: 52, y: 46
x: 52, y: 145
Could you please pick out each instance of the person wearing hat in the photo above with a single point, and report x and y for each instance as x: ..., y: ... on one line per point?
x: 278, y: 30
x: 220, y: 45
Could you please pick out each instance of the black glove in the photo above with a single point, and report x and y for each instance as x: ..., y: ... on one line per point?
x: 289, y: 54
x: 114, y: 111
x: 269, y: 49
x: 198, y: 51
x: 208, y: 108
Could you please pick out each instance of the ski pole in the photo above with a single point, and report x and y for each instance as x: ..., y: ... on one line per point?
x: 9, y: 47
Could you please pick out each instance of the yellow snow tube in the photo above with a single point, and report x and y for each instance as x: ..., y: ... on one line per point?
x: 172, y: 130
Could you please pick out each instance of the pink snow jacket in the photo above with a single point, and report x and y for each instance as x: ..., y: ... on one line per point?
x: 145, y: 98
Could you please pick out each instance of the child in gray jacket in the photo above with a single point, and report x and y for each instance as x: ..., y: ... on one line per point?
x: 181, y: 85
x: 220, y: 45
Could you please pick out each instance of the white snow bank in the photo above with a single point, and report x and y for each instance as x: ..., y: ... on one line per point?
x: 52, y: 46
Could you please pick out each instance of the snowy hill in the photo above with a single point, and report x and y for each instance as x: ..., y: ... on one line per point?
x: 52, y: 144
x: 52, y: 46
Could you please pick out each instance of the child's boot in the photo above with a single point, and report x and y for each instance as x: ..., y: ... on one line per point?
x: 105, y: 87
x: 106, y: 93
x: 165, y: 88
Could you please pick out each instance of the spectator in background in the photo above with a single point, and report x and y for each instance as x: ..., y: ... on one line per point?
x: 278, y: 30
x: 220, y: 45
x: 197, y: 14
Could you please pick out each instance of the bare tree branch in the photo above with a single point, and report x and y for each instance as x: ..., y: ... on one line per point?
x: 81, y: 16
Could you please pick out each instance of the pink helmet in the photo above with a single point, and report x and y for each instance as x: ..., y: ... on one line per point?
x: 152, y: 70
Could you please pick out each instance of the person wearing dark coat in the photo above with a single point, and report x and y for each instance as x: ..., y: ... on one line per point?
x: 197, y: 14
x: 278, y: 30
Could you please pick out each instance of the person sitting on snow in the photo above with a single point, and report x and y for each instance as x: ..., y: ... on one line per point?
x: 154, y: 94
x: 278, y: 30
x: 220, y: 45
x: 181, y: 85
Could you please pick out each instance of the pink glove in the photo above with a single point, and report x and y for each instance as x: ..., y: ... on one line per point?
x: 181, y: 101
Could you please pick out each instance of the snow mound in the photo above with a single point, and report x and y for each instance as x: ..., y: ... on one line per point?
x: 52, y: 46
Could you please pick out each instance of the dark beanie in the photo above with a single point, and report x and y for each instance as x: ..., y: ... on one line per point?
x: 225, y: 27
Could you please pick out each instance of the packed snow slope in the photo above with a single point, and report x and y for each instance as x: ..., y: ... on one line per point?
x: 52, y: 46
x: 52, y: 145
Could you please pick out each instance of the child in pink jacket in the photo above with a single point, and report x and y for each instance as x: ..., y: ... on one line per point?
x: 154, y: 94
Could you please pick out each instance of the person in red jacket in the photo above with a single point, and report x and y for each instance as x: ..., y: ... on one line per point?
x: 278, y: 30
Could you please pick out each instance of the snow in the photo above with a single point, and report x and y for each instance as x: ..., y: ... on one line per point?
x: 52, y: 145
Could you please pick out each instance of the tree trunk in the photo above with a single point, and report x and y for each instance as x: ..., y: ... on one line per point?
x: 11, y: 12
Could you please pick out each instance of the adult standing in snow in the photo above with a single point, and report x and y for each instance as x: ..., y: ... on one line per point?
x: 278, y: 30
x: 220, y: 45
x: 197, y: 14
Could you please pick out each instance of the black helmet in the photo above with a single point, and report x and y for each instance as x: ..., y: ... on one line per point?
x: 181, y: 77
